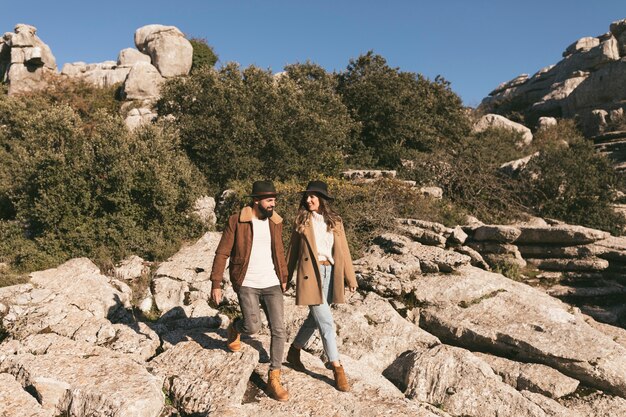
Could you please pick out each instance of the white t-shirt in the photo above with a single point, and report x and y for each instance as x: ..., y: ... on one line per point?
x: 261, y: 272
x: 324, y: 239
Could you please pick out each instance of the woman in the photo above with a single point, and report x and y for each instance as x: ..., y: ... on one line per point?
x: 320, y: 250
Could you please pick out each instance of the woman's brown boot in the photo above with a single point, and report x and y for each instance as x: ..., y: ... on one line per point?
x: 341, y: 382
x: 293, y: 358
x: 274, y: 388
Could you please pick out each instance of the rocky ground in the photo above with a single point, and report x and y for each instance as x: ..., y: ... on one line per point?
x: 431, y: 332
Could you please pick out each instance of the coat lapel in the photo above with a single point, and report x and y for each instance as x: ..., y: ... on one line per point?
x: 310, y: 238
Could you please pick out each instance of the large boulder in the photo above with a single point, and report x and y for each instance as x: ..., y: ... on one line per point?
x: 170, y: 52
x: 461, y: 384
x: 484, y: 311
x: 15, y: 401
x: 490, y: 121
x: 143, y: 82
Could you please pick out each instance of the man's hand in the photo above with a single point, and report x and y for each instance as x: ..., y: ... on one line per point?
x: 216, y: 296
x: 284, y: 286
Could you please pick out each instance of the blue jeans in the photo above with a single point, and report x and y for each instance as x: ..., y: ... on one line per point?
x: 321, y: 318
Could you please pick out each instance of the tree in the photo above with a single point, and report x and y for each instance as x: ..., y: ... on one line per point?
x: 399, y: 112
x: 238, y: 124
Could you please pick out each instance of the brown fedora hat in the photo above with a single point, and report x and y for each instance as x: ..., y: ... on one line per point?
x: 263, y: 189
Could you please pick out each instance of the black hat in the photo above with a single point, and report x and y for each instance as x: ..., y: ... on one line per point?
x: 318, y: 187
x: 263, y: 189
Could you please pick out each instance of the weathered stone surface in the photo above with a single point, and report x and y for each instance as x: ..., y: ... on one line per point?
x: 500, y: 260
x: 597, y: 405
x: 496, y: 233
x: 204, y: 208
x: 362, y: 174
x: 66, y: 298
x: 312, y: 394
x: 546, y: 122
x: 129, y: 57
x: 562, y: 264
x: 131, y: 268
x: 461, y: 384
x: 554, y: 251
x: 200, y: 375
x: 432, y: 192
x: 476, y: 258
x: 423, y: 224
x: 373, y: 333
x: 480, y: 310
x: 516, y: 166
x: 532, y: 377
x: 549, y: 406
x: 139, y: 117
x: 143, y: 82
x: 566, y: 235
x: 15, y: 401
x: 613, y: 249
x: 96, y: 384
x: 500, y: 122
x: 170, y: 52
x: 423, y: 236
x: 104, y: 74
x: 582, y: 44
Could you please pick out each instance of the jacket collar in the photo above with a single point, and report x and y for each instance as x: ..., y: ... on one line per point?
x: 247, y: 214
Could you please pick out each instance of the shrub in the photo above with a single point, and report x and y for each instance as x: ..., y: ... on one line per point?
x: 100, y: 192
x: 203, y: 54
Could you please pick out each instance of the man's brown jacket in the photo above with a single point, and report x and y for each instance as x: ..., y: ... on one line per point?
x: 236, y: 244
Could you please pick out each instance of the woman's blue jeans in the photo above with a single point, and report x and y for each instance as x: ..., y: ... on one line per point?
x: 321, y: 318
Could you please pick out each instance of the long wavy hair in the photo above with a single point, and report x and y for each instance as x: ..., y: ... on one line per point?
x: 303, y: 218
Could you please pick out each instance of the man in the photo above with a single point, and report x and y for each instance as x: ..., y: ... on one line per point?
x: 253, y: 241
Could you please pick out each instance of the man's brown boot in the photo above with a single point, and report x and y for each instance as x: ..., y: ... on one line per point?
x: 293, y: 358
x: 233, y: 342
x: 274, y: 388
x: 341, y: 382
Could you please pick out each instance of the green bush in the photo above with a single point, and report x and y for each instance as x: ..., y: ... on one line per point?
x: 239, y: 124
x: 400, y: 113
x: 203, y: 54
x: 100, y: 192
x: 366, y: 209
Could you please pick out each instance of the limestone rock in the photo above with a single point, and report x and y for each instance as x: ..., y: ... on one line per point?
x: 129, y: 57
x: 583, y: 44
x: 170, y: 52
x: 566, y: 235
x: 531, y: 376
x: 501, y: 122
x: 516, y: 166
x: 546, y: 122
x: 204, y: 208
x: 96, y: 384
x: 131, y: 268
x: 432, y: 192
x: 597, y: 405
x: 15, y: 401
x: 559, y: 264
x: 480, y: 310
x: 312, y: 394
x: 365, y: 174
x: 373, y: 333
x: 143, y: 82
x: 201, y: 376
x: 496, y: 233
x: 549, y: 406
x: 461, y: 384
x: 139, y: 117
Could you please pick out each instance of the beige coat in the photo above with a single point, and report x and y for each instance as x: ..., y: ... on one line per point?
x: 303, y: 253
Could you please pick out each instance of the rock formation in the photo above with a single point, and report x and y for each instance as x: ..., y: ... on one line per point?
x: 25, y: 61
x: 587, y: 84
x: 163, y: 52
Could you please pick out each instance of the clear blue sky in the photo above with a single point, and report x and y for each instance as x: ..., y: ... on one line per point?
x: 474, y: 44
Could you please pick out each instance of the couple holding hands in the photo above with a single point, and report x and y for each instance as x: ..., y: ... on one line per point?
x: 259, y: 272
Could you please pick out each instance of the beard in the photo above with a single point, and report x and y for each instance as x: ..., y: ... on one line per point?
x: 265, y: 212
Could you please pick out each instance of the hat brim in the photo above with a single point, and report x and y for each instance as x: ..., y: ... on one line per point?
x: 320, y: 192
x: 262, y: 195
